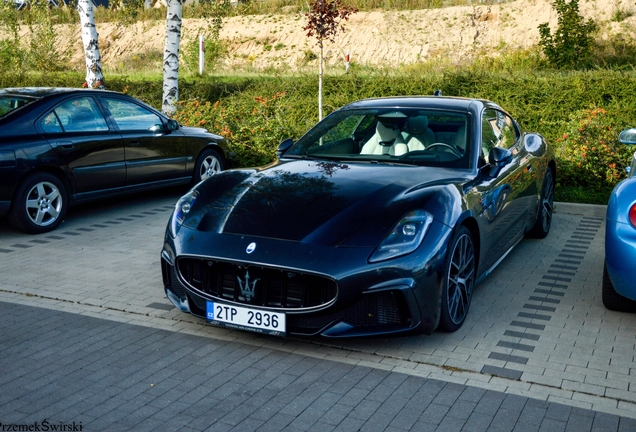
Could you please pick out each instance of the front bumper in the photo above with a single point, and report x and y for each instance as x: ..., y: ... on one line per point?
x: 392, y: 297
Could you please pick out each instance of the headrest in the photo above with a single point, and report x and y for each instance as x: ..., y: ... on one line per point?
x: 418, y: 124
x: 386, y: 134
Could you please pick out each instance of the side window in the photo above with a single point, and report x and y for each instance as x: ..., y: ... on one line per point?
x: 132, y: 117
x: 75, y: 115
x: 51, y: 124
x: 497, y: 130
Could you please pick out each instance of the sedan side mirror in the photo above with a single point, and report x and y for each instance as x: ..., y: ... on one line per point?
x: 628, y: 136
x: 173, y: 125
x: 283, y: 147
x: 499, y: 156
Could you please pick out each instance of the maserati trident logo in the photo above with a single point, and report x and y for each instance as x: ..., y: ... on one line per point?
x: 247, y: 286
x: 250, y: 248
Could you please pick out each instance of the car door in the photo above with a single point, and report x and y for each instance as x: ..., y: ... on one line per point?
x: 79, y: 133
x: 505, y: 188
x: 153, y: 153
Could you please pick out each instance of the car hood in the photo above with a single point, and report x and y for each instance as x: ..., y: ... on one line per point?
x: 327, y: 203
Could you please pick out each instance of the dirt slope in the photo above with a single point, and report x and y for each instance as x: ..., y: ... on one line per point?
x: 379, y: 38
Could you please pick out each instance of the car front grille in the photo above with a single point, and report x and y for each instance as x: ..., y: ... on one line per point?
x: 257, y: 285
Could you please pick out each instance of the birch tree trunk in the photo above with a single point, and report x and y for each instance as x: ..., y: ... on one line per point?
x: 320, y: 72
x: 171, y: 57
x: 94, y: 76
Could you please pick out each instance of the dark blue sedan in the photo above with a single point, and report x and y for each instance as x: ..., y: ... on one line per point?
x: 62, y: 146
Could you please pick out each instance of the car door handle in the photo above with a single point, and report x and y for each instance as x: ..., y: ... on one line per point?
x: 529, y: 168
x: 68, y: 145
x: 135, y: 143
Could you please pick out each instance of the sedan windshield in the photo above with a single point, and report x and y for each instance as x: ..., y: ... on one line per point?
x: 395, y: 135
x: 10, y: 102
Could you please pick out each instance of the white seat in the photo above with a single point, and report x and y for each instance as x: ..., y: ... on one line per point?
x: 386, y: 140
x: 419, y: 134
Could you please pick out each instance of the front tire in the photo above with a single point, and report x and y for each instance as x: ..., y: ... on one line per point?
x: 543, y: 223
x: 459, y: 281
x: 613, y: 300
x: 209, y: 163
x: 39, y: 204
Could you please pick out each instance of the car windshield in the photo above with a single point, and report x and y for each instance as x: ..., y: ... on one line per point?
x: 394, y: 135
x: 9, y: 103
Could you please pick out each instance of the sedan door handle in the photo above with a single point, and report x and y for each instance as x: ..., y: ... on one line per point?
x: 134, y: 142
x: 529, y: 168
x: 68, y: 145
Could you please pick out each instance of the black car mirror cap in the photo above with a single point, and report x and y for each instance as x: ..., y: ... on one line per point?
x: 628, y: 136
x: 173, y: 125
x: 499, y: 156
x: 283, y: 147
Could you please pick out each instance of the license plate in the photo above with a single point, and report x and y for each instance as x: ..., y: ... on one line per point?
x: 242, y: 318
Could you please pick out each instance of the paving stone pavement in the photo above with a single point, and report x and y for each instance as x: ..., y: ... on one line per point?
x: 89, y: 337
x: 70, y: 370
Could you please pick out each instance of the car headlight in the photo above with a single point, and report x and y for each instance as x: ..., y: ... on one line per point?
x: 181, y: 209
x: 404, y: 238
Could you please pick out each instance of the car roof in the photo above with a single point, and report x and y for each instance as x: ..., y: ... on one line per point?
x: 440, y: 102
x: 41, y: 92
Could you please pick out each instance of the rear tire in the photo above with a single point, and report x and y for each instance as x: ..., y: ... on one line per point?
x: 459, y: 281
x: 543, y: 223
x: 613, y: 300
x: 39, y: 204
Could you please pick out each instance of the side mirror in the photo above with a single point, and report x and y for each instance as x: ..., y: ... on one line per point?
x: 283, y: 147
x: 499, y: 156
x: 628, y: 136
x: 173, y: 125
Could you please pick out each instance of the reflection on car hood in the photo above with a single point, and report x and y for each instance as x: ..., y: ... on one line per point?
x: 191, y: 130
x: 315, y: 202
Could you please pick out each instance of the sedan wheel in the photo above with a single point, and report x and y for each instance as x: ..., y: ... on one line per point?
x: 459, y: 281
x: 39, y: 205
x: 208, y: 164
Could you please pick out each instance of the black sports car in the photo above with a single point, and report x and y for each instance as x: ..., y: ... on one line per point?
x: 379, y: 220
x: 60, y: 146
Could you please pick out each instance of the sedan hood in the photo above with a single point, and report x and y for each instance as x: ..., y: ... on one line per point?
x: 313, y: 202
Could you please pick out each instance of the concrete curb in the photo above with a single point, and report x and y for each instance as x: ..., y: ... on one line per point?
x: 591, y: 210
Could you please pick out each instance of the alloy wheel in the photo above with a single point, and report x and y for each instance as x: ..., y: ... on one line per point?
x: 547, y: 203
x: 43, y: 203
x: 209, y: 167
x: 461, y: 278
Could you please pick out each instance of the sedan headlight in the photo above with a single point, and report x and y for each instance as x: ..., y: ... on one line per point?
x: 181, y: 210
x: 404, y: 238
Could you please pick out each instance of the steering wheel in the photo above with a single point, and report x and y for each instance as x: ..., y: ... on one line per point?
x: 448, y: 146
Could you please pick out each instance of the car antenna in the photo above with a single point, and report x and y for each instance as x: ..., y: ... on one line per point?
x: 438, y: 92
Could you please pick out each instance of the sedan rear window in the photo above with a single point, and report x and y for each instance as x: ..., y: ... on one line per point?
x: 10, y: 103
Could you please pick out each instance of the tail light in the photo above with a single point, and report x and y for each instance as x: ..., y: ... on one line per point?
x: 632, y: 215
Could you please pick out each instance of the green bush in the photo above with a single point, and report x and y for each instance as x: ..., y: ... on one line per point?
x: 589, y: 152
x: 256, y: 112
x: 253, y: 127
